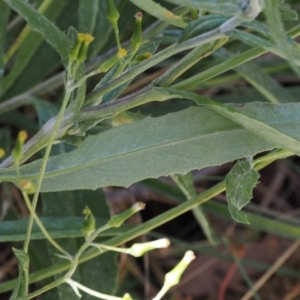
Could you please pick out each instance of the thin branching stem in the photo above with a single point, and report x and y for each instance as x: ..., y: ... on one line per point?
x: 67, y: 95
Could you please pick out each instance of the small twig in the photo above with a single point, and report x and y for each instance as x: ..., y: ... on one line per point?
x: 278, y: 263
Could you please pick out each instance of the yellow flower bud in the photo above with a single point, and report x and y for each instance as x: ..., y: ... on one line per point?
x: 122, y: 53
x: 17, y: 152
x: 22, y: 136
x: 113, y: 14
x: 79, y: 51
x: 2, y: 152
x: 142, y: 57
x: 27, y: 186
x: 111, y: 62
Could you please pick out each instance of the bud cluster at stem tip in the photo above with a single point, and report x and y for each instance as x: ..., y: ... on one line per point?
x: 79, y: 51
x: 118, y: 220
x: 136, y: 39
x: 89, y: 223
x: 113, y: 14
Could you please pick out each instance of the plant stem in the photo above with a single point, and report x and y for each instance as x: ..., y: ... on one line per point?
x: 46, y: 156
x: 42, y: 227
x: 92, y: 292
x: 56, y: 80
x: 157, y: 221
x: 154, y: 60
x: 229, y: 64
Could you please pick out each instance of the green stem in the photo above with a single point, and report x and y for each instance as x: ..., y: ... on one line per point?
x: 186, y: 185
x: 41, y: 139
x: 154, y: 60
x: 44, y: 289
x: 42, y: 227
x: 228, y: 64
x: 92, y: 292
x: 87, y: 244
x: 57, y: 80
x: 187, y: 62
x: 151, y: 224
x: 45, y: 159
x: 72, y: 267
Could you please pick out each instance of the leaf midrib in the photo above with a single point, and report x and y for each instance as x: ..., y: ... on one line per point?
x: 67, y: 170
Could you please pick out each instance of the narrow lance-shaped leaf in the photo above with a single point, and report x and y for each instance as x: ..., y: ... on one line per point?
x: 5, y: 11
x: 257, y: 122
x: 263, y: 82
x: 59, y: 228
x: 186, y: 185
x: 28, y: 52
x: 240, y: 182
x: 286, y: 12
x: 175, y: 143
x: 227, y: 65
x: 21, y: 287
x: 217, y: 6
x: 52, y: 34
x: 88, y: 11
x: 256, y: 41
x: 273, y: 18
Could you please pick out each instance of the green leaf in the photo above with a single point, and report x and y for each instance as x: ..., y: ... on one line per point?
x: 150, y: 47
x: 66, y: 204
x: 148, y: 148
x: 221, y: 7
x: 59, y: 228
x: 21, y: 121
x: 240, y: 182
x: 264, y: 83
x: 286, y: 13
x: 175, y: 143
x: 29, y: 47
x: 288, y: 229
x: 88, y: 11
x: 186, y: 185
x: 200, y: 26
x: 273, y: 18
x: 45, y: 111
x: 188, y: 61
x: 5, y: 142
x: 244, y: 57
x: 159, y: 12
x: 5, y: 12
x: 52, y: 34
x: 21, y: 287
x: 291, y: 52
